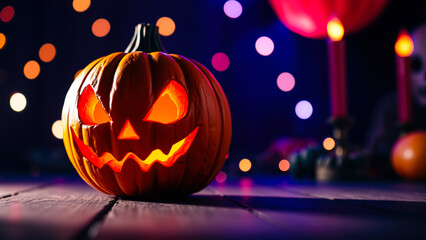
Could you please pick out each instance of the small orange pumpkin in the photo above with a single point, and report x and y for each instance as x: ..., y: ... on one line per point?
x: 144, y: 123
x: 409, y: 156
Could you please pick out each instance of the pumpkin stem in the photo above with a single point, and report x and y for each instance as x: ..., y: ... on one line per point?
x: 145, y: 39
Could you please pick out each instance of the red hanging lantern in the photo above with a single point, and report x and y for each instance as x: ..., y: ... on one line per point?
x: 309, y: 17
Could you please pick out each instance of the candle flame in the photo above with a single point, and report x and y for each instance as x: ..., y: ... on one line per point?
x: 335, y: 30
x: 404, y: 44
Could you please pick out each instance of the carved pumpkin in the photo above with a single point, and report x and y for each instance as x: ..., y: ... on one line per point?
x: 146, y: 123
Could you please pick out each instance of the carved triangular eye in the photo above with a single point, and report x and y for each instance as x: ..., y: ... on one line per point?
x: 90, y: 110
x: 171, y: 105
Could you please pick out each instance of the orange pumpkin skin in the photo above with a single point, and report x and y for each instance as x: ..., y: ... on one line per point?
x: 409, y: 156
x: 127, y: 86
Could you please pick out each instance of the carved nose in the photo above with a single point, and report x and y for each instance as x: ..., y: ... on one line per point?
x: 128, y: 132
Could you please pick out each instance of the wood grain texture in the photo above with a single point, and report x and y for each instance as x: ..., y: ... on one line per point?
x: 204, y: 215
x: 401, y: 199
x: 304, y: 215
x: 9, y: 189
x: 52, y: 212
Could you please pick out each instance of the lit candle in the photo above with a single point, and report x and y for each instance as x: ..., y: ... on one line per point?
x: 403, y: 47
x: 337, y: 68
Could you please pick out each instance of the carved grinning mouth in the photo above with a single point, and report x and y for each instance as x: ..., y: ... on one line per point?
x: 177, y: 150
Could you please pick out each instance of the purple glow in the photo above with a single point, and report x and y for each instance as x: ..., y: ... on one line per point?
x: 304, y: 109
x: 220, y: 62
x: 232, y: 8
x: 285, y: 82
x: 264, y: 46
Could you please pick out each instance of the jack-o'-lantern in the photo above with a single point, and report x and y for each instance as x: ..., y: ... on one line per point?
x: 146, y: 123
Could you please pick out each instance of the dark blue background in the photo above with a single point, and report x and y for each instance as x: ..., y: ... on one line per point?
x: 260, y: 111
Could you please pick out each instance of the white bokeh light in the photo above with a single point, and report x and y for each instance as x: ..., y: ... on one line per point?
x: 232, y: 8
x: 304, y: 109
x: 18, y: 102
x: 264, y: 46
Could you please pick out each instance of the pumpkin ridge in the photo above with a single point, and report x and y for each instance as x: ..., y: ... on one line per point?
x: 190, y: 64
x: 224, y: 110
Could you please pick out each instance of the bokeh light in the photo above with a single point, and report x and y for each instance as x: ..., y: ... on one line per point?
x: 245, y: 165
x: 404, y: 46
x: 57, y: 129
x: 101, y: 27
x: 221, y: 177
x: 328, y: 143
x: 220, y: 62
x: 2, y: 40
x: 18, y: 102
x: 264, y: 46
x: 232, y: 8
x: 335, y: 29
x: 284, y: 165
x: 304, y: 109
x: 166, y: 26
x: 7, y: 13
x: 31, y: 69
x: 285, y: 82
x: 80, y: 5
x: 47, y: 52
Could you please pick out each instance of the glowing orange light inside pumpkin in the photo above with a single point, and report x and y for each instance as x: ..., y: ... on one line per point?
x: 171, y: 105
x: 128, y: 132
x: 284, y: 165
x: 177, y: 150
x: 245, y: 165
x: 31, y: 69
x: 47, y: 52
x: 90, y: 109
x: 404, y: 46
x: 335, y: 30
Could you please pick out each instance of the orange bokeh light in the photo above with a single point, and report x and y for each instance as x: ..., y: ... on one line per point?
x: 166, y: 26
x: 80, y: 5
x: 245, y: 165
x: 335, y: 30
x: 47, y: 52
x: 2, y: 40
x: 101, y: 27
x: 328, y: 143
x: 31, y: 69
x: 284, y: 165
x: 404, y: 46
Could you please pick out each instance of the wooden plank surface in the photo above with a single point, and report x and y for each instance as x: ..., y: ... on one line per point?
x: 57, y: 211
x: 205, y: 215
x: 319, y: 216
x: 244, y: 209
x: 402, y: 199
x: 11, y: 189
